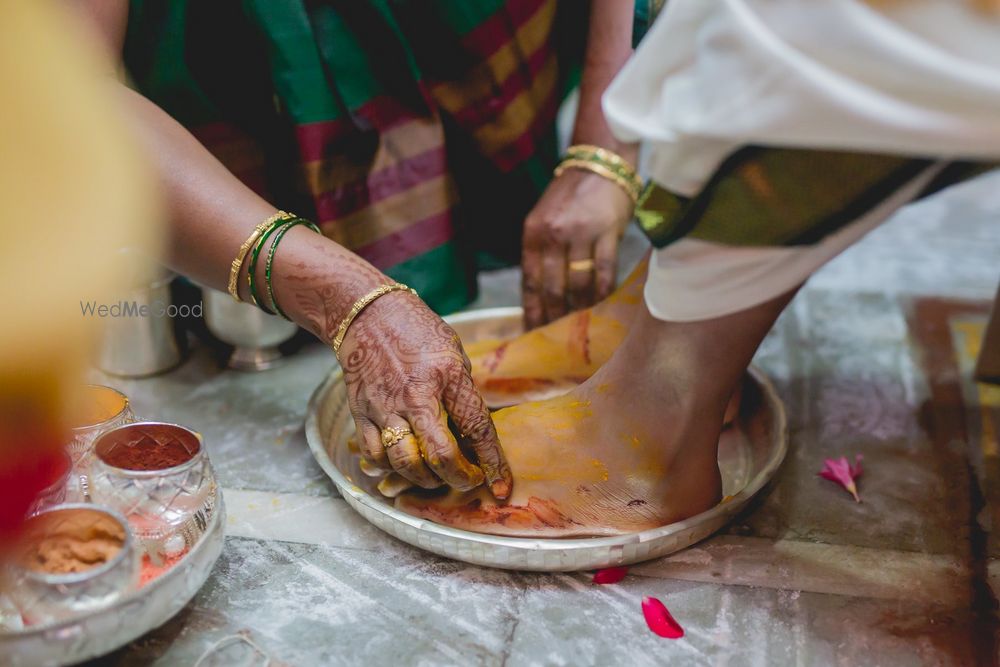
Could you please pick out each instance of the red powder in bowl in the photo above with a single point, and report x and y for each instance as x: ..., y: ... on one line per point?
x: 147, y: 447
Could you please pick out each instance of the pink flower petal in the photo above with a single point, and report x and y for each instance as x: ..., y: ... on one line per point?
x: 659, y: 619
x: 610, y: 575
x: 856, y: 468
x: 843, y: 473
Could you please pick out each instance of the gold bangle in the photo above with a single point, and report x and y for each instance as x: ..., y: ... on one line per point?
x: 360, y: 305
x: 631, y: 188
x: 608, y: 158
x: 588, y: 151
x: 624, y: 173
x: 241, y: 254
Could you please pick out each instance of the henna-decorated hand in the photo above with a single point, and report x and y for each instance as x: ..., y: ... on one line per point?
x: 405, y: 367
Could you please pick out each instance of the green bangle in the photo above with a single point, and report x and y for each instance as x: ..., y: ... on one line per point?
x: 270, y: 258
x: 252, y: 267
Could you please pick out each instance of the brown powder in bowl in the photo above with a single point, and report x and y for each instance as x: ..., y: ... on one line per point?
x: 68, y: 541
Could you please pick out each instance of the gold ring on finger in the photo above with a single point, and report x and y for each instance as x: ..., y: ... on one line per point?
x: 581, y: 265
x: 392, y: 435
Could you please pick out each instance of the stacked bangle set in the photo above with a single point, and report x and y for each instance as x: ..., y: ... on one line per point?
x: 277, y: 226
x: 604, y: 163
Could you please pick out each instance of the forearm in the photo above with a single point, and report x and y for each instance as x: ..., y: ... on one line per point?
x: 609, y: 45
x: 212, y: 213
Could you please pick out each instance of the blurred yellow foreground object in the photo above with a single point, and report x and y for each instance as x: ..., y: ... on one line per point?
x: 73, y: 192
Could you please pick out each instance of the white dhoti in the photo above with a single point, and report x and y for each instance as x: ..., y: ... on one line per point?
x: 914, y: 78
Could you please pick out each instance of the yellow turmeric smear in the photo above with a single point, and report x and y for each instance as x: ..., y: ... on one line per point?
x: 542, y: 441
x: 574, y: 347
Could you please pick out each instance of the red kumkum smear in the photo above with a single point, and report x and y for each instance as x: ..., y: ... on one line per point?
x: 610, y: 575
x: 659, y: 619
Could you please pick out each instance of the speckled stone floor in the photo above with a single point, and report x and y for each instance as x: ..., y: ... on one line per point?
x: 872, y: 357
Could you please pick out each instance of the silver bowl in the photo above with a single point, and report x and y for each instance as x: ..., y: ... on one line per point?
x: 750, y: 452
x: 43, y: 597
x: 84, y: 435
x: 101, y: 631
x: 155, y: 502
x: 255, y: 334
x: 81, y: 446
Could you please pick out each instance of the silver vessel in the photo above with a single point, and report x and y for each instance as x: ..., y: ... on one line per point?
x: 750, y: 453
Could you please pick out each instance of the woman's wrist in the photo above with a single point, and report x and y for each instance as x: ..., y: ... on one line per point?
x: 605, y: 163
x: 361, y: 305
x: 318, y: 281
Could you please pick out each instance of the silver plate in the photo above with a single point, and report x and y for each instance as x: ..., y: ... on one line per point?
x: 135, y: 614
x: 749, y: 455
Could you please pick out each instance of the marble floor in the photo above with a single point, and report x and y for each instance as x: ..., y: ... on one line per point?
x: 872, y: 357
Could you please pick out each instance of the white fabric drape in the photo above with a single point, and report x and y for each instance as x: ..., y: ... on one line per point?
x: 910, y: 77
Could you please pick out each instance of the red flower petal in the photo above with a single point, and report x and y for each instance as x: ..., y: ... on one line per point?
x: 610, y: 575
x: 659, y: 619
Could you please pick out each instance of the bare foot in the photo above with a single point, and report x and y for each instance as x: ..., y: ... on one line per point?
x: 552, y: 359
x: 632, y: 448
x: 583, y: 467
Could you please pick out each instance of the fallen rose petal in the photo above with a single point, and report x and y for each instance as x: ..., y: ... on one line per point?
x: 610, y: 575
x: 659, y: 619
x: 843, y: 473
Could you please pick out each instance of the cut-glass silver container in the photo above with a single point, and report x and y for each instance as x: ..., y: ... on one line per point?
x: 84, y: 434
x: 55, y: 493
x: 750, y: 452
x: 155, y: 502
x: 43, y: 597
x: 103, y: 630
x: 80, y: 447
